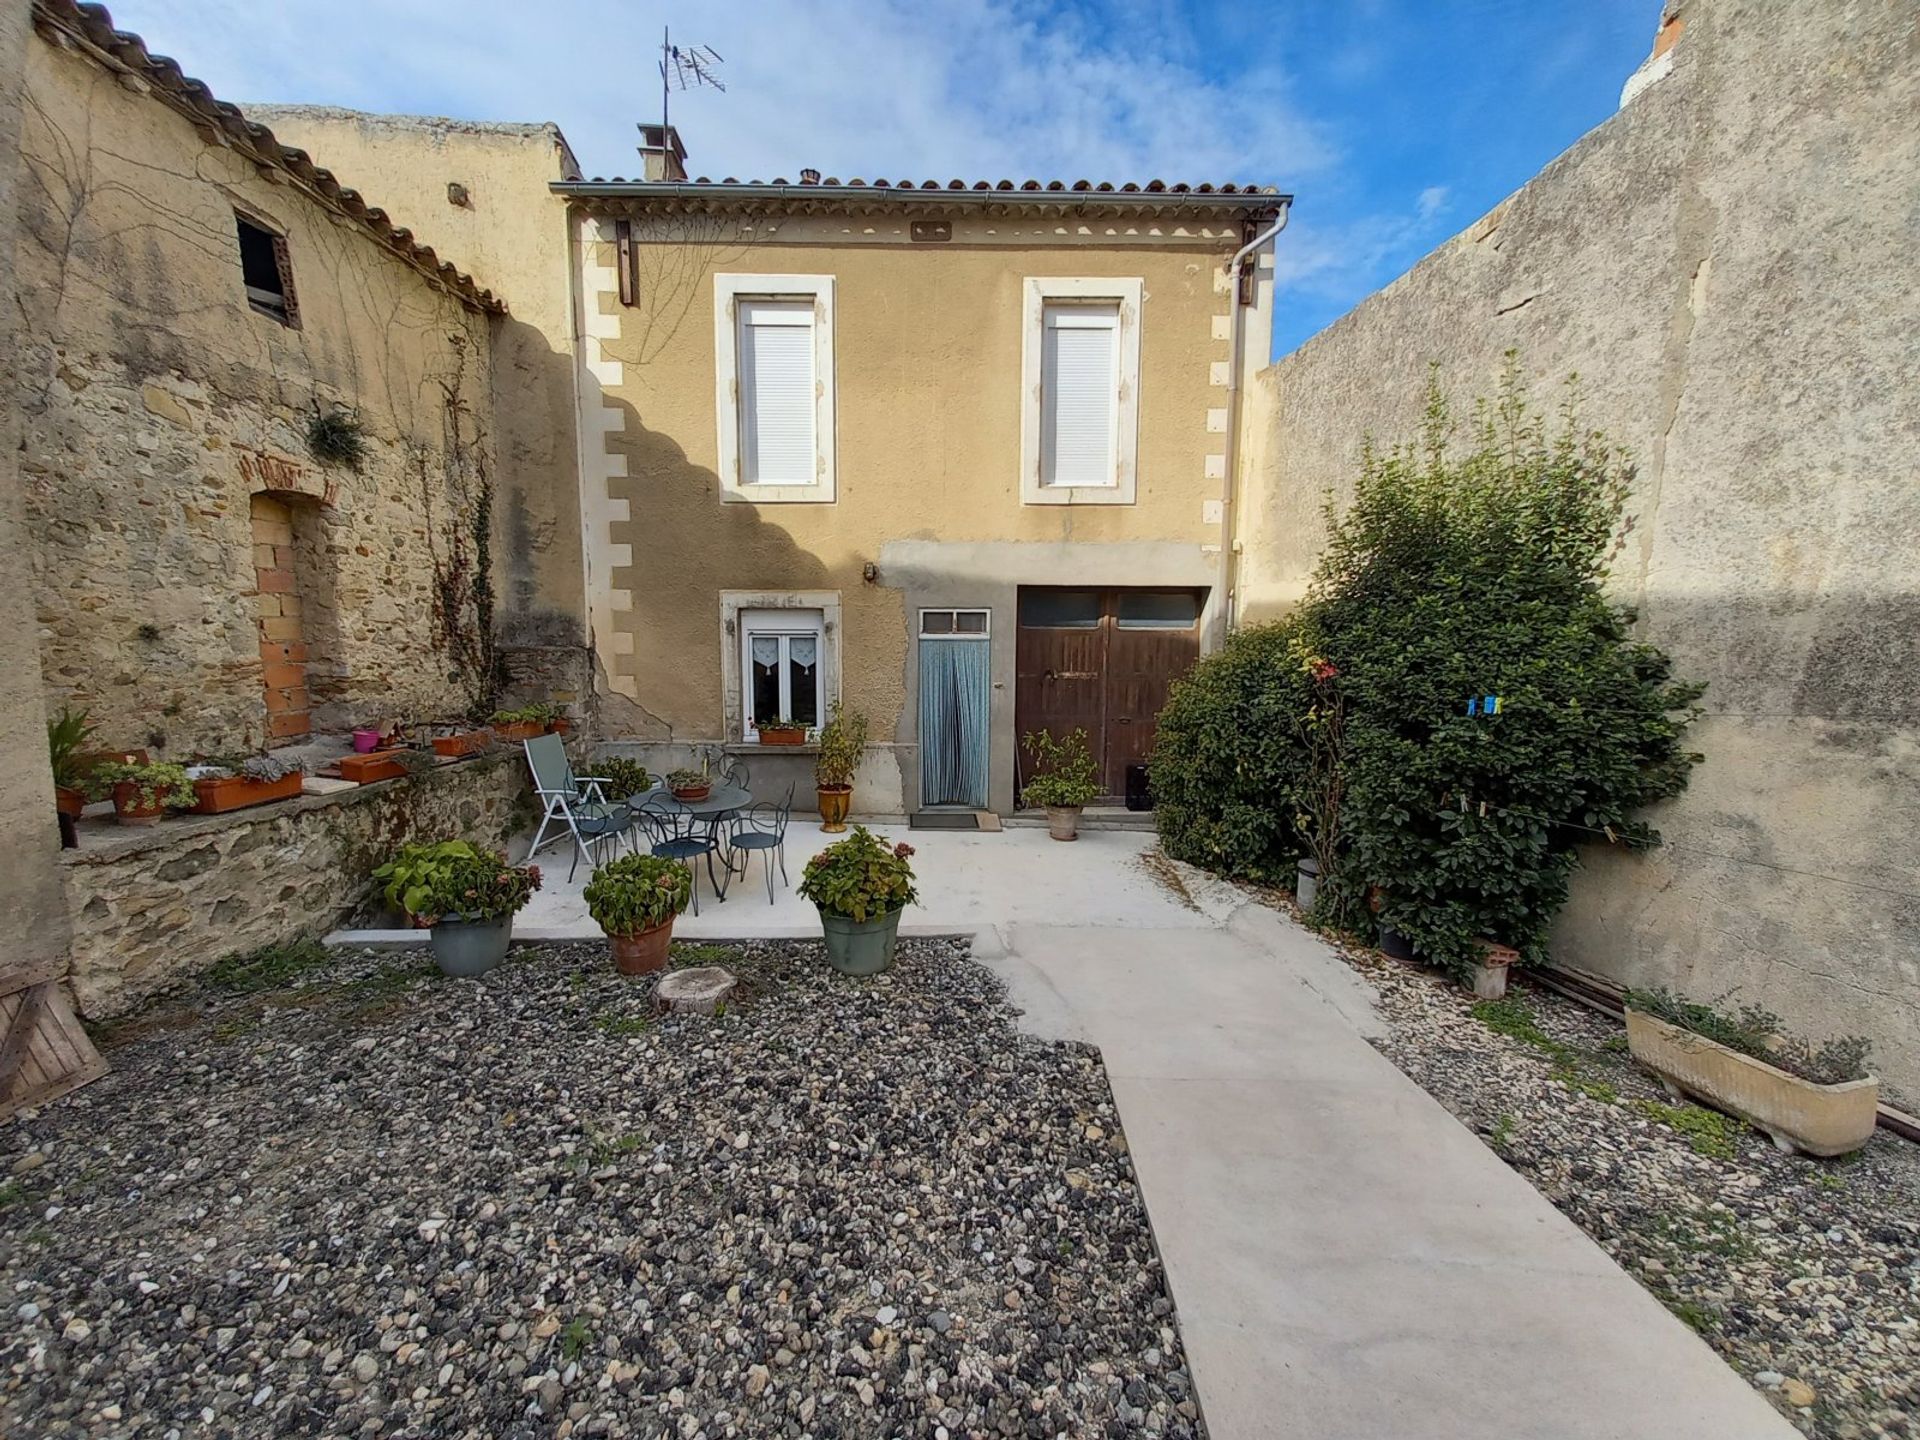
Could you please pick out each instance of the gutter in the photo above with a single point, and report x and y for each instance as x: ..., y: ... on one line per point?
x: 1229, y: 595
x: 1224, y: 200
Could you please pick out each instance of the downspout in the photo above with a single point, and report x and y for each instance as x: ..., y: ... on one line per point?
x: 1229, y: 597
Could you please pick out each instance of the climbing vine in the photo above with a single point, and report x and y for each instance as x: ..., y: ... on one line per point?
x: 460, y: 546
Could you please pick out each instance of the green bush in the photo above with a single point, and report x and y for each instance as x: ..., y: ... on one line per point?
x: 637, y: 892
x: 1230, y: 760
x: 622, y: 777
x: 1456, y: 572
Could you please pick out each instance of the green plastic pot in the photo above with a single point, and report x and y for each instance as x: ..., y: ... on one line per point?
x: 466, y: 948
x: 861, y: 947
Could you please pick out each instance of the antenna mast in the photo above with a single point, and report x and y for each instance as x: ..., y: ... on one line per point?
x: 685, y: 70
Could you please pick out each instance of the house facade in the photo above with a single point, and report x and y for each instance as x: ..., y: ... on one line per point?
x: 953, y: 456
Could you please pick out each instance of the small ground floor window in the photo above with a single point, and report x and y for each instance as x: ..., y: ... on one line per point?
x: 780, y: 655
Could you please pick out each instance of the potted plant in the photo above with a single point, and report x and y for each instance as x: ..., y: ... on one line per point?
x: 860, y: 885
x: 73, y: 782
x: 411, y: 879
x: 620, y: 778
x: 690, y: 785
x: 461, y: 743
x: 388, y: 764
x: 223, y: 785
x: 470, y: 901
x: 843, y: 741
x: 526, y: 721
x: 634, y: 899
x: 142, y: 793
x: 1821, y: 1100
x: 780, y: 730
x: 1064, y: 780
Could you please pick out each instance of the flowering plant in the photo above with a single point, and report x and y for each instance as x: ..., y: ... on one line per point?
x: 457, y: 881
x: 860, y: 878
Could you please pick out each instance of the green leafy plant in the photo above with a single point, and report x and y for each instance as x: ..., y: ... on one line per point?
x: 843, y: 741
x: 1457, y: 571
x: 860, y: 877
x: 621, y: 778
x: 67, y: 734
x: 636, y: 893
x: 1064, y: 770
x: 479, y: 888
x: 159, y: 785
x: 539, y: 712
x: 411, y: 879
x: 1756, y: 1031
x: 335, y: 437
x: 687, y: 778
x: 265, y: 767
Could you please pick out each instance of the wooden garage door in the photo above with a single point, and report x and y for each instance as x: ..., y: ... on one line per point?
x: 1101, y: 660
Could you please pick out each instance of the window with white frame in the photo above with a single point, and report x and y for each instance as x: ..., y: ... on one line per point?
x: 1081, y: 372
x: 774, y: 386
x: 782, y: 655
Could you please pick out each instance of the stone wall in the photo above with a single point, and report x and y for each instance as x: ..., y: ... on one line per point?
x: 154, y: 907
x: 157, y: 402
x: 1727, y: 264
x: 33, y: 920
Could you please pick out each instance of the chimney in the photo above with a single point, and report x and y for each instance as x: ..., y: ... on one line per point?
x: 661, y: 153
x: 1659, y: 64
x: 809, y: 176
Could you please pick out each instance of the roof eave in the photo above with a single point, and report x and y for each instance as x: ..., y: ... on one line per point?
x: 851, y: 197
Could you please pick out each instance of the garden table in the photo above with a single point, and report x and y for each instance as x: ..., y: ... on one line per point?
x: 721, y: 804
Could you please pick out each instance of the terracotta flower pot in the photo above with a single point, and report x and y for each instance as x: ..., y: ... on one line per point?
x: 127, y: 808
x: 559, y: 727
x: 237, y: 792
x: 1063, y: 822
x: 644, y: 952
x: 467, y: 742
x: 835, y: 802
x: 68, y: 801
x: 519, y: 730
x: 783, y: 734
x: 365, y: 769
x: 690, y: 794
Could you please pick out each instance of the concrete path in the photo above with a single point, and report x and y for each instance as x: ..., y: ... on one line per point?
x: 1349, y: 1262
x: 1346, y: 1258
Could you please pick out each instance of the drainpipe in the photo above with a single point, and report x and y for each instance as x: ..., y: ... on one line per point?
x: 1229, y: 598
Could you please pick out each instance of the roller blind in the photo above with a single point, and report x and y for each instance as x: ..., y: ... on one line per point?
x: 1079, y: 393
x: 777, y: 392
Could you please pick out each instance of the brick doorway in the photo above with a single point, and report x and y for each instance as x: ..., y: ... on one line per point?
x: 283, y: 638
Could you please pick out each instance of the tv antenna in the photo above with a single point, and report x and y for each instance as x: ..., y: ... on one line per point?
x: 685, y: 69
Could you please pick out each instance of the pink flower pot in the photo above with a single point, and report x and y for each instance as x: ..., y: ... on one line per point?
x: 365, y: 742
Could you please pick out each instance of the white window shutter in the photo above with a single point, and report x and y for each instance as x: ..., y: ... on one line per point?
x: 1079, y: 394
x: 777, y: 387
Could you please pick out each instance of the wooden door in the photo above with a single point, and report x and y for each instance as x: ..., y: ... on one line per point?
x: 1101, y: 660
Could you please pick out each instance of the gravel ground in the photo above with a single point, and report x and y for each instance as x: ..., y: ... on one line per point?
x: 1803, y: 1274
x: 371, y: 1201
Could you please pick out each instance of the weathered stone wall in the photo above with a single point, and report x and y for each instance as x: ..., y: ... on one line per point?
x: 1728, y: 265
x: 153, y: 907
x: 33, y: 918
x: 156, y: 401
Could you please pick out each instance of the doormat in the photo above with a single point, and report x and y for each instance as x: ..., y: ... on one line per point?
x: 943, y: 820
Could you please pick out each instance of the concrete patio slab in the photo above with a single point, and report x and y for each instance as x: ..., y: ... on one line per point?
x: 1347, y: 1259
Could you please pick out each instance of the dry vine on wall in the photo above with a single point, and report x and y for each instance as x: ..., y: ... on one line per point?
x: 462, y: 550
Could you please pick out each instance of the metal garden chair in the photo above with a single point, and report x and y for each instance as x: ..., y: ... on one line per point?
x: 763, y: 827
x: 576, y: 801
x: 675, y: 833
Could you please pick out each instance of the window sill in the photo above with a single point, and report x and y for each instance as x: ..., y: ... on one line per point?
x: 777, y: 495
x: 1077, y: 495
x: 753, y: 747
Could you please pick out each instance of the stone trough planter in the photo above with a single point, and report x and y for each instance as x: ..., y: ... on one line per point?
x: 1798, y: 1114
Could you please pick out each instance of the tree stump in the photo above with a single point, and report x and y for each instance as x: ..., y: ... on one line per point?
x: 700, y: 991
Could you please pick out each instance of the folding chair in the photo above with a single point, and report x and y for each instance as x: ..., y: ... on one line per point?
x: 576, y: 801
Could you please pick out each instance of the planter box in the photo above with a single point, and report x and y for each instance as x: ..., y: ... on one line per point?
x: 1798, y: 1114
x: 559, y: 727
x: 365, y: 769
x: 467, y: 742
x: 237, y: 792
x: 783, y: 734
x: 518, y: 731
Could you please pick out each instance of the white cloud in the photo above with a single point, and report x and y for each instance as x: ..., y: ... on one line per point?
x: 1432, y: 201
x: 975, y: 89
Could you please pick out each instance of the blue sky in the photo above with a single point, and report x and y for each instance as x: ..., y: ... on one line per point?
x: 1395, y: 123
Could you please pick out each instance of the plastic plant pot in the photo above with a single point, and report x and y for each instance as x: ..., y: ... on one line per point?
x: 467, y: 948
x: 861, y: 947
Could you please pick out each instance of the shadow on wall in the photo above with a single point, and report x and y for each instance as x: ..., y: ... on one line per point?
x: 687, y: 546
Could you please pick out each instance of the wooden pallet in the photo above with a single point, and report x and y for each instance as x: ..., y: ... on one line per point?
x: 43, y: 1051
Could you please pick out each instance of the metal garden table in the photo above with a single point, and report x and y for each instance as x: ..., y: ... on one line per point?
x: 721, y: 803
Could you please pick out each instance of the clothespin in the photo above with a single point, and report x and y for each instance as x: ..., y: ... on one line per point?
x: 1490, y: 705
x: 1612, y: 839
x: 1483, y: 809
x: 1473, y: 705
